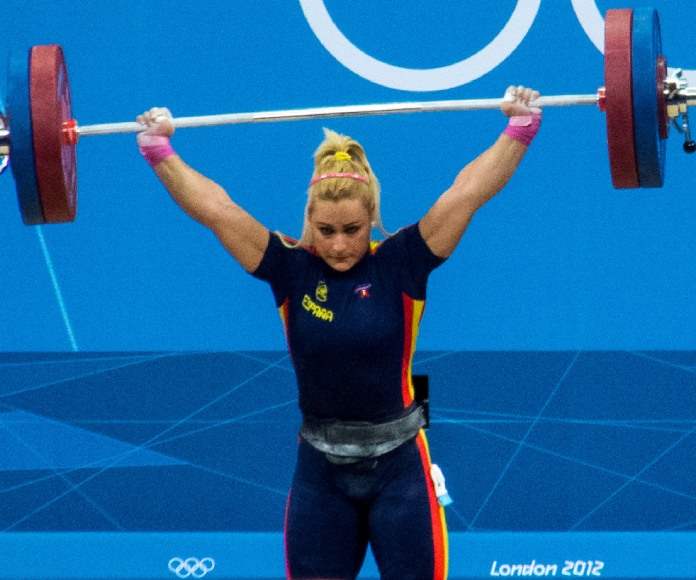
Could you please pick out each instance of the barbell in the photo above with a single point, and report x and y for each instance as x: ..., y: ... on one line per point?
x: 38, y: 133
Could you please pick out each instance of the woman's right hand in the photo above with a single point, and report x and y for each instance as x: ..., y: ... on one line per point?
x: 158, y: 123
x: 153, y: 140
x: 517, y: 100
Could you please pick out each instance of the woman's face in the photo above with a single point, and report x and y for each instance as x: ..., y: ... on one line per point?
x: 341, y: 232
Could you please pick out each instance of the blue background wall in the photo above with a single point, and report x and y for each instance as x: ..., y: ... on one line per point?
x: 145, y: 388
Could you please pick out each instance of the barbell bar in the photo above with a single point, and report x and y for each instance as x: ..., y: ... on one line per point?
x: 39, y: 135
x: 334, y: 112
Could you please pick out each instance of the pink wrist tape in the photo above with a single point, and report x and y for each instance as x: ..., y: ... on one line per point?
x: 156, y: 149
x: 523, y: 128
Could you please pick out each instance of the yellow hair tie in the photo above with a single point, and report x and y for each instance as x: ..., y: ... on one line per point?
x: 342, y: 156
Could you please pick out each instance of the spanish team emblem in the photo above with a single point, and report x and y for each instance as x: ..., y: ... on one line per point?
x: 322, y: 292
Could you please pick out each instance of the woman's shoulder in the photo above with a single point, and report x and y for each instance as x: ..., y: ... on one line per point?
x: 400, y: 236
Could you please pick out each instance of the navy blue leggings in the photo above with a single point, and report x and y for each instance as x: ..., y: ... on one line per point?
x: 334, y: 511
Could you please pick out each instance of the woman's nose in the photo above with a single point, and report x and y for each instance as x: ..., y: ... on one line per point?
x: 339, y: 242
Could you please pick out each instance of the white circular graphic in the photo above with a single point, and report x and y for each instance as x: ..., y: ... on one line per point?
x: 591, y: 20
x: 409, y: 79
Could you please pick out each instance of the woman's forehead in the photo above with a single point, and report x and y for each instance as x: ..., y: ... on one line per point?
x: 342, y: 211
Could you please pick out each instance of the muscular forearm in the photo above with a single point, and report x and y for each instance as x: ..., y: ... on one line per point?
x: 486, y: 175
x: 200, y: 197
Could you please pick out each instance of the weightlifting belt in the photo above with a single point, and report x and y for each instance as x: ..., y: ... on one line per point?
x: 352, y: 441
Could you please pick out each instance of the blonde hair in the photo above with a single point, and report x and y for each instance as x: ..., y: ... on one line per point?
x: 340, y: 154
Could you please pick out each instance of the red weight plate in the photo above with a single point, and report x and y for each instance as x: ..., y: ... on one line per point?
x: 56, y: 161
x: 618, y: 26
x: 662, y: 117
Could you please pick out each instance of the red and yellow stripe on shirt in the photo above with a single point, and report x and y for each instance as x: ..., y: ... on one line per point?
x: 413, y: 312
x: 283, y: 310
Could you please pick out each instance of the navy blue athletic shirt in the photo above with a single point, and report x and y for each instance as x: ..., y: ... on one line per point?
x: 351, y: 335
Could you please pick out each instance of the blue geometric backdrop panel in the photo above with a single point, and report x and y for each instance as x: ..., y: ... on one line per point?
x: 559, y: 443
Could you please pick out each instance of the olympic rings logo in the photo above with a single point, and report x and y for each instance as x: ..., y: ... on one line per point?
x: 446, y: 77
x: 191, y: 567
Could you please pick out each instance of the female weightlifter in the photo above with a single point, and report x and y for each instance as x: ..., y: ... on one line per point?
x: 351, y: 308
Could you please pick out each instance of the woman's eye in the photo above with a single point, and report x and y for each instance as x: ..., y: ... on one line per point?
x: 326, y: 231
